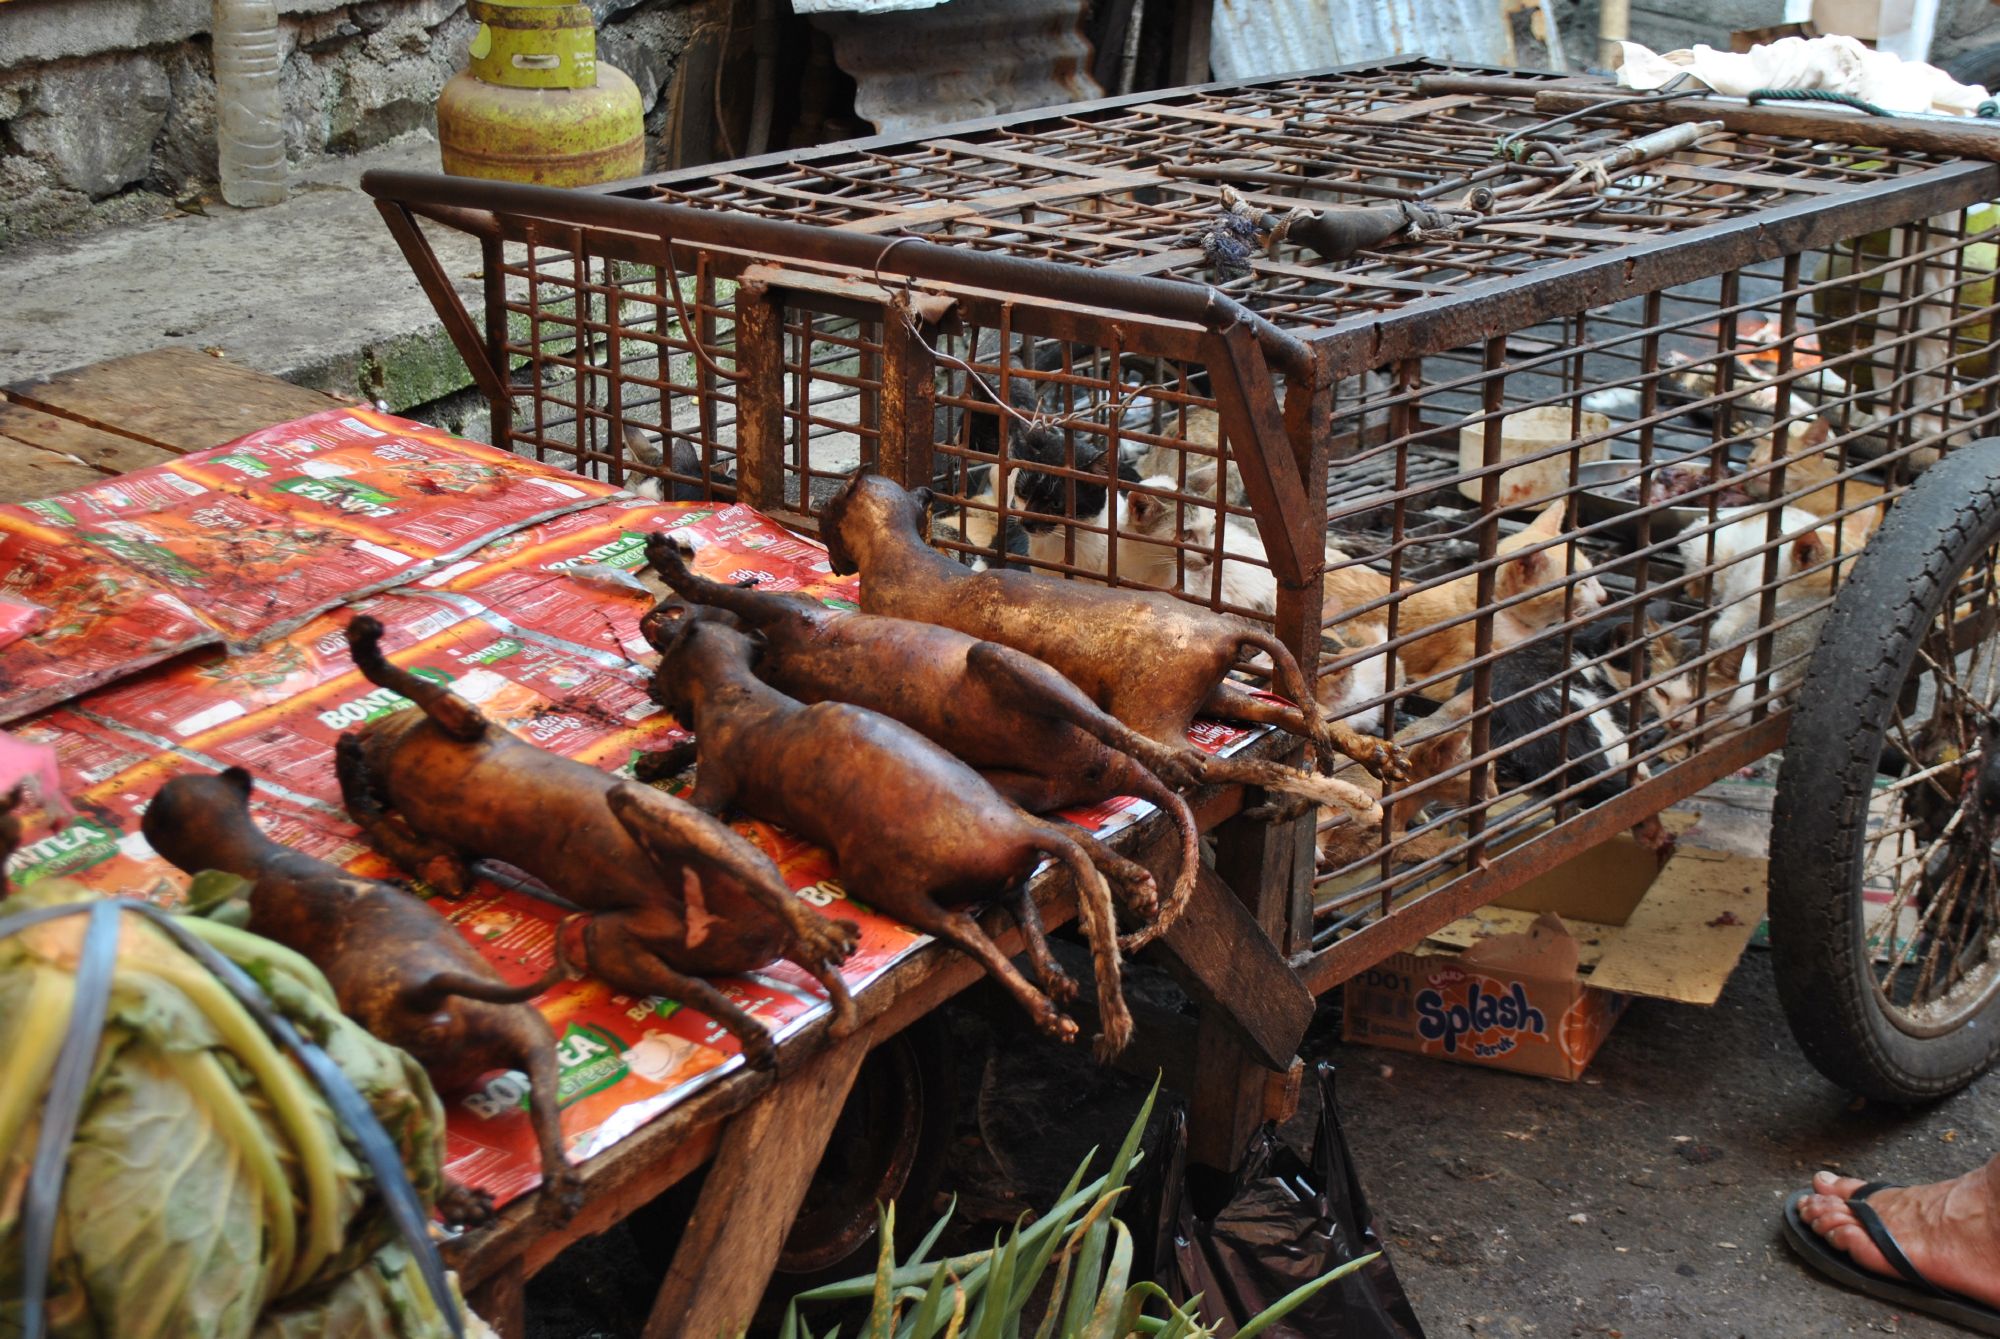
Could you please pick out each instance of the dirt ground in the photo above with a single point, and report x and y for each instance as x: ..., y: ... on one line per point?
x: 1677, y: 1149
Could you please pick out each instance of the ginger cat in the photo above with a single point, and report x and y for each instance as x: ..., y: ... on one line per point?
x: 1437, y: 653
x: 1807, y: 462
x: 1433, y: 745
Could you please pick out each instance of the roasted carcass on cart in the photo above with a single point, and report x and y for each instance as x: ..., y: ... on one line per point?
x: 396, y: 966
x: 669, y: 893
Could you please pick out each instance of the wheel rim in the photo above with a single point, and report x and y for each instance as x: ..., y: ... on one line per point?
x: 1931, y: 923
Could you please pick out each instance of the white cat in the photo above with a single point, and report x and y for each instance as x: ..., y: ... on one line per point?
x: 1805, y: 576
x: 1247, y: 581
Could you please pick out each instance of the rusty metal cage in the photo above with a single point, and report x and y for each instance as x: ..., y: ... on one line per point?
x: 1553, y: 474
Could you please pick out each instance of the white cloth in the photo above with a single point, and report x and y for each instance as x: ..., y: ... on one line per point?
x: 1838, y: 63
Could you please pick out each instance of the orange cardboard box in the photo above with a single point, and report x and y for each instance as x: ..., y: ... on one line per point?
x: 1535, y: 982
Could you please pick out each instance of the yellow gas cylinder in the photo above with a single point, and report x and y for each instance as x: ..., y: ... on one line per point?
x: 537, y: 105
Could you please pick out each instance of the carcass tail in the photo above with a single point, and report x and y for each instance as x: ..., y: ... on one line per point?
x: 1153, y: 789
x: 432, y: 992
x: 1093, y: 904
x: 453, y: 715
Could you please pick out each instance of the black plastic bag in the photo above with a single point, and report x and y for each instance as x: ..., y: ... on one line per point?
x: 1285, y: 1224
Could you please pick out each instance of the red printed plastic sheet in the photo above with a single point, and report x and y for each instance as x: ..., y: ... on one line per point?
x: 554, y: 667
x: 247, y: 541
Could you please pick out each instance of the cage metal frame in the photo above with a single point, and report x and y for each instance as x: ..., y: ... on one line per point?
x: 775, y: 267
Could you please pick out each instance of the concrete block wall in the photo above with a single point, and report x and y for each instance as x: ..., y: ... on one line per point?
x: 107, y: 107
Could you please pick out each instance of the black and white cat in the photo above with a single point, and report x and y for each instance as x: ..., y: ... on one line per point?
x: 977, y: 472
x: 1527, y: 690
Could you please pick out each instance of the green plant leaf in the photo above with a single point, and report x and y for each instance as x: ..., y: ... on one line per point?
x: 1084, y: 1279
x: 926, y: 1320
x: 1029, y: 1276
x: 930, y: 1238
x: 1291, y: 1300
x: 211, y: 888
x: 1134, y: 1306
x: 1110, y: 1308
x: 846, y: 1290
x: 997, y: 1298
x: 1180, y: 1323
x: 1046, y: 1329
x: 1043, y: 1227
x: 882, y: 1315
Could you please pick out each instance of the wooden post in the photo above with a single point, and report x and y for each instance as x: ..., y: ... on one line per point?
x: 1308, y: 422
x: 766, y: 1159
x: 501, y: 1300
x: 1192, y: 20
x: 1269, y: 867
x: 1229, y: 963
x: 907, y: 404
x: 760, y: 398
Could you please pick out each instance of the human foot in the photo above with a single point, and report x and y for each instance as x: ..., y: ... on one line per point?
x: 1949, y: 1230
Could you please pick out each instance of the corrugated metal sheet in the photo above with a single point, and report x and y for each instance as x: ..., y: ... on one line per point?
x: 963, y: 59
x: 1252, y: 38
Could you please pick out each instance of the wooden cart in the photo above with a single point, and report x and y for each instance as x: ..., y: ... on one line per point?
x: 1763, y: 325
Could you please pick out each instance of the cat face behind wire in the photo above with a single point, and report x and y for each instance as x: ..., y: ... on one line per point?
x: 1045, y: 500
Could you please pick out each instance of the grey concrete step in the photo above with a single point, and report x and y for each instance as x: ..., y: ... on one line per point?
x: 313, y: 290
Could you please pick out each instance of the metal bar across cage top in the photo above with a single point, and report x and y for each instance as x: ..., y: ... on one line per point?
x: 919, y: 259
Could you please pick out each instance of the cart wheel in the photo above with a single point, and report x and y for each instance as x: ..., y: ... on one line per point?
x: 1885, y: 896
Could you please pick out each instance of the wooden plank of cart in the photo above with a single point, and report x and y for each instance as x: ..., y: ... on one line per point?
x: 764, y: 1132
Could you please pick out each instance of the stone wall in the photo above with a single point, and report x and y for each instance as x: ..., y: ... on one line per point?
x: 107, y: 107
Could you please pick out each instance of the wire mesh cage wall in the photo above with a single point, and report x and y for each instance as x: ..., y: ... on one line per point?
x: 1543, y: 442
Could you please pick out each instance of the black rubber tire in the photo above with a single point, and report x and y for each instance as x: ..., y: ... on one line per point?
x: 1845, y: 704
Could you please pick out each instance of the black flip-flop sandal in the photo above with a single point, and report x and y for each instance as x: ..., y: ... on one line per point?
x: 1912, y: 1293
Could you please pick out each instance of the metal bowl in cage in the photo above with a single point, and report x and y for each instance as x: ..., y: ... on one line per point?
x: 1609, y: 490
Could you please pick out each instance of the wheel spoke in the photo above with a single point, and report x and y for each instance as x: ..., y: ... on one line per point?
x: 1941, y: 903
x: 1905, y: 782
x: 1885, y: 867
x: 1959, y: 691
x: 1901, y: 899
x: 1915, y: 754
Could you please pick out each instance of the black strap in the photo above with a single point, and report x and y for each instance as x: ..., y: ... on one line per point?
x: 74, y: 1064
x: 61, y: 1108
x: 1885, y: 1241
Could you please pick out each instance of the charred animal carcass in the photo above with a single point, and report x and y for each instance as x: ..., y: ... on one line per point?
x: 1019, y: 724
x: 1153, y: 661
x: 397, y: 968
x: 668, y: 893
x: 913, y: 830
